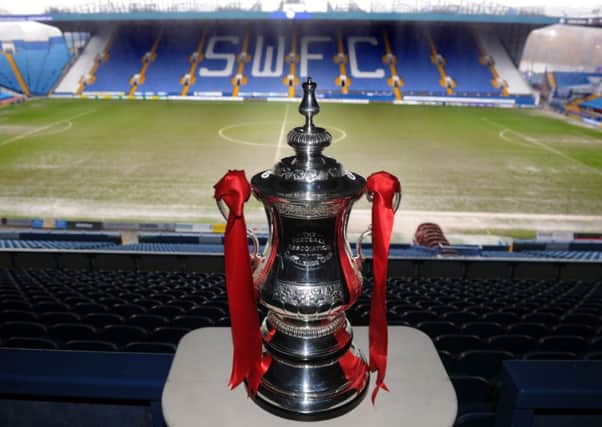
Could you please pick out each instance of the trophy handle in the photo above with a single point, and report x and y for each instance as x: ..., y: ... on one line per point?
x: 396, y: 200
x: 224, y: 211
x: 358, y: 248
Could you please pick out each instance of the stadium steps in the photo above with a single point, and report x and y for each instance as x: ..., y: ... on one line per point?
x: 341, y: 59
x: 487, y: 60
x: 17, y: 73
x: 292, y: 80
x: 84, y: 69
x: 195, y: 59
x: 146, y: 59
x: 438, y: 60
x: 243, y: 58
x: 395, y: 81
x: 503, y: 64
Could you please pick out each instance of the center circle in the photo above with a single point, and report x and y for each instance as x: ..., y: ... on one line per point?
x: 249, y: 128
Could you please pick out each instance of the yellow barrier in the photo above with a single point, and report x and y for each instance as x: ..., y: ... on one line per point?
x: 17, y: 73
x: 341, y: 59
x: 394, y: 81
x: 146, y: 61
x: 194, y: 62
x: 292, y: 59
x: 243, y: 57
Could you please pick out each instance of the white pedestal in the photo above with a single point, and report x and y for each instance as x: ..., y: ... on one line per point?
x: 196, y: 392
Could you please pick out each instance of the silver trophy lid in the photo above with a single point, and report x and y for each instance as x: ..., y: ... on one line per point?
x: 308, y: 175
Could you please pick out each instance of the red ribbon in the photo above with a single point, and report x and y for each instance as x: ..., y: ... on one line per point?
x: 382, y: 186
x: 247, y: 364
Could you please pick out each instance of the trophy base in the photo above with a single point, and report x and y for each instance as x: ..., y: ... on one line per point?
x: 310, y: 416
x: 315, y: 373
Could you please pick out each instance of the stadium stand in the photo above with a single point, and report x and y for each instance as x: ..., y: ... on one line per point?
x: 476, y: 324
x: 163, y: 76
x: 125, y: 59
x: 33, y: 57
x: 462, y: 62
x: 568, y: 79
x: 595, y: 103
x: 251, y: 61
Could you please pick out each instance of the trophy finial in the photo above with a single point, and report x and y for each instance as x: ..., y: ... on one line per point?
x: 309, y: 106
x: 309, y: 140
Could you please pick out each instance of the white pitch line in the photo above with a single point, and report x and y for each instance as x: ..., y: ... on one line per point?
x: 541, y: 145
x: 281, y: 136
x: 69, y: 125
x: 41, y: 129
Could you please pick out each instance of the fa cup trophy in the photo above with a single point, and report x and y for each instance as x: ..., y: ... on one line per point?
x: 301, y: 362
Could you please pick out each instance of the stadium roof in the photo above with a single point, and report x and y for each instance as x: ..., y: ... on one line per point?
x: 539, y: 12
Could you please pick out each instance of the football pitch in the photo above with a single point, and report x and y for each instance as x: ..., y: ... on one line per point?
x: 471, y: 169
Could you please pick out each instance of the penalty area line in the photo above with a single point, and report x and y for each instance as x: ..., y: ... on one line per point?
x: 540, y: 144
x: 42, y: 128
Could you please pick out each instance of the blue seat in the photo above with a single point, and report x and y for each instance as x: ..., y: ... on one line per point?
x: 545, y: 318
x: 516, y: 344
x: 437, y: 327
x: 167, y: 310
x: 596, y: 343
x: 169, y: 335
x: 148, y: 321
x: 72, y: 331
x: 474, y: 394
x: 147, y: 303
x: 482, y: 363
x: 53, y: 317
x: 192, y: 322
x: 18, y: 315
x: 584, y: 319
x: 593, y: 356
x: 569, y: 343
x: 88, y: 307
x: 23, y: 329
x: 150, y: 347
x: 111, y: 301
x: 504, y: 318
x: 100, y: 320
x: 416, y: 317
x: 15, y: 304
x: 550, y: 355
x: 74, y: 301
x: 439, y: 309
x: 460, y: 317
x: 54, y: 307
x: 128, y: 310
x: 28, y: 342
x: 482, y: 329
x: 476, y: 419
x: 90, y: 345
x: 123, y: 334
x: 457, y: 343
x: 574, y: 329
x: 535, y: 330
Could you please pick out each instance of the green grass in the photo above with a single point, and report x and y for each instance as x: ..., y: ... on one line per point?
x: 158, y: 160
